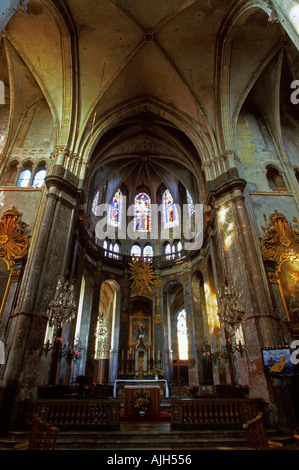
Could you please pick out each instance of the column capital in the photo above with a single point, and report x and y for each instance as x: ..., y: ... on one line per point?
x: 224, y: 184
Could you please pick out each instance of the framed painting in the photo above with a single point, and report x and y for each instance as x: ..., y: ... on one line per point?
x: 140, y: 325
x: 289, y: 282
x: 277, y: 362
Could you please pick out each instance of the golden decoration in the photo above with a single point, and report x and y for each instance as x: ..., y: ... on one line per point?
x: 124, y: 317
x: 281, y: 240
x: 15, y: 275
x: 158, y: 319
x: 13, y: 237
x: 273, y: 278
x: 142, y: 274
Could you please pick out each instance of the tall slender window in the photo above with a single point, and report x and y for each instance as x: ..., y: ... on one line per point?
x: 96, y: 202
x: 148, y: 252
x: 191, y: 207
x: 170, y: 214
x: 39, y: 178
x: 115, y: 209
x: 116, y: 250
x: 182, y: 332
x: 24, y: 178
x: 168, y: 251
x: 142, y: 213
x: 136, y: 251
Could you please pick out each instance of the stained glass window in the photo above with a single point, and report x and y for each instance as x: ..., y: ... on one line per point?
x: 24, y: 178
x: 182, y: 332
x: 179, y: 249
x: 136, y: 251
x: 116, y: 250
x: 39, y: 178
x: 170, y: 214
x: 105, y: 246
x: 168, y: 251
x: 115, y: 209
x: 148, y: 251
x: 95, y: 203
x: 191, y: 207
x: 142, y: 213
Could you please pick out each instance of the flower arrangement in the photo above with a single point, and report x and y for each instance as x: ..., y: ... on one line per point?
x: 141, y: 402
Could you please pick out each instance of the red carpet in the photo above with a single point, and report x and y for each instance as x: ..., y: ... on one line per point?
x: 164, y: 416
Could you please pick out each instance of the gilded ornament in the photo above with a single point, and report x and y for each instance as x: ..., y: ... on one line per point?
x: 142, y: 275
x: 273, y: 278
x: 13, y: 237
x: 158, y: 319
x: 281, y: 239
x: 124, y: 317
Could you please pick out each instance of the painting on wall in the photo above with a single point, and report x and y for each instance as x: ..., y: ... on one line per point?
x: 140, y: 325
x: 277, y: 362
x: 4, y: 283
x: 289, y: 280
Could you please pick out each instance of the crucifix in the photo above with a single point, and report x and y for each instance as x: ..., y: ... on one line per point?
x: 178, y: 364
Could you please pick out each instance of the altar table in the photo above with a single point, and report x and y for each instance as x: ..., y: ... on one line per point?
x: 118, y: 389
x: 132, y: 391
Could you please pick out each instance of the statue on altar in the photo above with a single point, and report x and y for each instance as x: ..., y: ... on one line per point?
x: 141, y: 358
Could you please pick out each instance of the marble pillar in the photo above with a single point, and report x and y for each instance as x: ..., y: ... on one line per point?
x: 242, y: 269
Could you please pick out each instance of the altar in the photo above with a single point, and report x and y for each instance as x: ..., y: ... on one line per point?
x: 133, y: 392
x: 118, y: 389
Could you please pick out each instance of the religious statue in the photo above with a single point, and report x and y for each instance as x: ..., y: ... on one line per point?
x: 140, y: 364
x: 139, y: 330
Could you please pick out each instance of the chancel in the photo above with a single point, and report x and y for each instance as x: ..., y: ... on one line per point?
x: 149, y: 268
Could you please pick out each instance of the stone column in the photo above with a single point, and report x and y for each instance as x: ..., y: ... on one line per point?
x: 158, y: 343
x: 193, y: 359
x: 46, y: 265
x: 23, y: 315
x: 92, y: 321
x: 241, y: 267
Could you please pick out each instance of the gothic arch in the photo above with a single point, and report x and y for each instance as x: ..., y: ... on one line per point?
x: 229, y: 50
x: 205, y: 145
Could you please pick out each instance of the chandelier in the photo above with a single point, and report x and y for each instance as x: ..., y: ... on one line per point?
x: 62, y: 308
x: 74, y: 352
x: 230, y: 312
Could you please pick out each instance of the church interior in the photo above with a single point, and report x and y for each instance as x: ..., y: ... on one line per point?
x: 149, y: 171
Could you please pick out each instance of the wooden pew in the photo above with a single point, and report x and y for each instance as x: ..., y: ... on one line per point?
x: 42, y: 436
x: 256, y: 434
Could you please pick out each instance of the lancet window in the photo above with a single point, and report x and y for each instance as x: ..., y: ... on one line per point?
x: 142, y: 213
